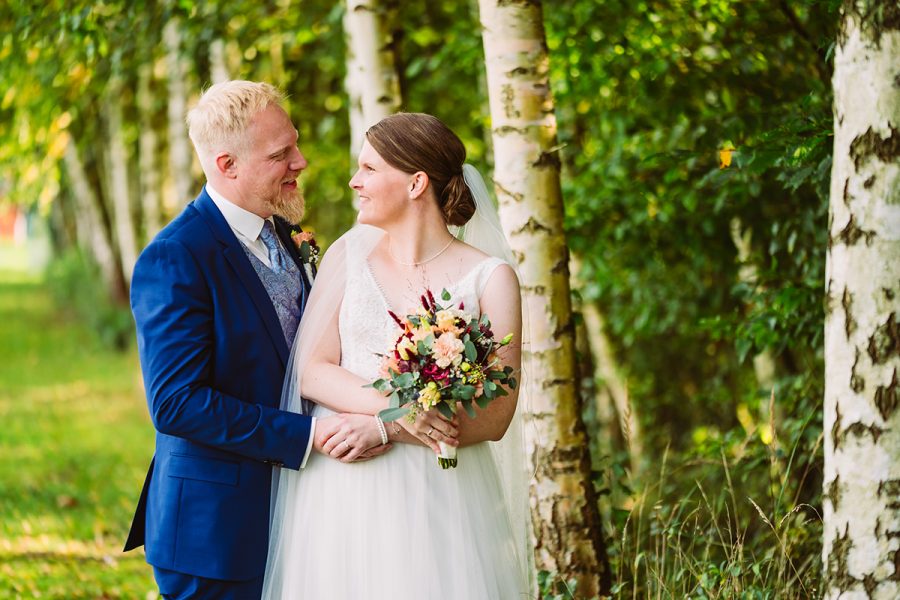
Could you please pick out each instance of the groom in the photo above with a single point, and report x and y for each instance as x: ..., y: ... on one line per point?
x: 217, y: 299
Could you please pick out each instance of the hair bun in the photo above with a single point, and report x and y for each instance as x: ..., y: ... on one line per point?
x: 457, y: 203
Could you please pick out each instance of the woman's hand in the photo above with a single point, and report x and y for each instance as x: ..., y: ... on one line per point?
x: 432, y: 427
x: 349, y: 437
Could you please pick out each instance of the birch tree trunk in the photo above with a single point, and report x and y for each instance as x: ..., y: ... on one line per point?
x: 565, y: 515
x: 607, y: 375
x: 371, y: 82
x: 218, y: 61
x: 89, y: 226
x: 180, y: 155
x: 605, y: 371
x: 118, y: 190
x: 151, y: 200
x: 861, y: 549
x: 763, y: 363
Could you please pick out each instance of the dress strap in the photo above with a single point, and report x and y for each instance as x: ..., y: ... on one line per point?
x: 483, y: 272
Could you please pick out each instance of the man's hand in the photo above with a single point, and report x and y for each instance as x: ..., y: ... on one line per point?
x: 349, y: 437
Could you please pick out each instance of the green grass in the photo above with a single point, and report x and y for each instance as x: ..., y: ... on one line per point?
x: 75, y: 442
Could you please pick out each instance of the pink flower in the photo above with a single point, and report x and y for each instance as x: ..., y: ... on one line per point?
x: 448, y: 350
x: 304, y: 236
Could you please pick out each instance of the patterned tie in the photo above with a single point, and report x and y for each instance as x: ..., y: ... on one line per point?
x: 267, y: 235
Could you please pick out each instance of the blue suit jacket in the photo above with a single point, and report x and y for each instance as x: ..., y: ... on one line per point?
x: 213, y: 356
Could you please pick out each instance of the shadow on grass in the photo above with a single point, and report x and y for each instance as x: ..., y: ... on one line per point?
x: 74, y: 447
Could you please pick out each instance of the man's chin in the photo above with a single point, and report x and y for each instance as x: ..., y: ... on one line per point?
x: 290, y: 209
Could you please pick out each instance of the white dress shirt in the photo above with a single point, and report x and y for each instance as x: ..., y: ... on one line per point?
x: 247, y: 227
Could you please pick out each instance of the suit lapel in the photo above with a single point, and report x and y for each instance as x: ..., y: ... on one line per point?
x: 237, y: 258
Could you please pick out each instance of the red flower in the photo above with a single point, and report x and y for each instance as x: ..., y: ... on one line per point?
x: 435, y: 373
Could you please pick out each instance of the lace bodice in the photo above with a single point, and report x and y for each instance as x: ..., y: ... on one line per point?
x: 366, y: 328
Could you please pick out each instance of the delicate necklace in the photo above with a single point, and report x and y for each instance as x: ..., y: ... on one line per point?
x: 420, y: 262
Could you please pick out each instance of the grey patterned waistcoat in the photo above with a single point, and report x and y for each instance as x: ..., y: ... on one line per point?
x: 284, y: 289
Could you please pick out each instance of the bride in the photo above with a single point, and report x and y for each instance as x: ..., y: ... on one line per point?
x: 398, y: 526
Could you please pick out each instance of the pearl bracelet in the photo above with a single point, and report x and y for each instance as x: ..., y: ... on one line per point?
x: 381, y: 430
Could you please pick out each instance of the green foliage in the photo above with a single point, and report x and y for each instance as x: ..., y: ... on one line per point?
x: 74, y: 448
x: 651, y: 96
x: 648, y: 95
x: 74, y: 281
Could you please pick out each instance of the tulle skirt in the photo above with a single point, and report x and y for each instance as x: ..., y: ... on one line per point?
x: 399, y: 527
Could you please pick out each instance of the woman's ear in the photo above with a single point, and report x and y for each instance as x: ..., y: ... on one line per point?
x: 418, y: 183
x: 226, y: 165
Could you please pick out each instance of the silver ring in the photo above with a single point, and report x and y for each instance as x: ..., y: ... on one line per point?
x: 430, y: 431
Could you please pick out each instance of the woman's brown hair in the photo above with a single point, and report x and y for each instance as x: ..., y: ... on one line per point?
x: 414, y: 142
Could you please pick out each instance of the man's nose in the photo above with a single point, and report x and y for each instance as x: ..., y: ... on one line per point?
x: 299, y: 162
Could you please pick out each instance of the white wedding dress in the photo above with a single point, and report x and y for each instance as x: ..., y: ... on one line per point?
x: 399, y: 527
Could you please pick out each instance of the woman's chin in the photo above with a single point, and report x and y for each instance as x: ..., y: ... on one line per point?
x: 364, y: 218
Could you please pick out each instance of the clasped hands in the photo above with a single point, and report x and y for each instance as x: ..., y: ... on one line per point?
x: 351, y: 437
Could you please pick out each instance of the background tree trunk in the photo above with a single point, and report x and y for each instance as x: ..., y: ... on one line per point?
x: 372, y: 83
x: 607, y: 373
x: 218, y: 61
x: 117, y: 188
x: 92, y: 236
x: 180, y: 154
x: 151, y: 203
x: 861, y: 549
x: 565, y: 515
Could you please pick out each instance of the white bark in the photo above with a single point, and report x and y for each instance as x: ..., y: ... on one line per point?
x: 180, y: 155
x: 118, y: 190
x: 218, y: 61
x: 88, y: 220
x: 371, y: 83
x: 568, y: 537
x: 861, y: 549
x: 606, y: 372
x: 151, y: 200
x: 763, y: 363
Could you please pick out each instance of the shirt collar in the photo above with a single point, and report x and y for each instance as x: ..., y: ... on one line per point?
x: 241, y: 220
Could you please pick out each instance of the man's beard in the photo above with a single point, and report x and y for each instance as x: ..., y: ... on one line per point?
x: 289, y: 206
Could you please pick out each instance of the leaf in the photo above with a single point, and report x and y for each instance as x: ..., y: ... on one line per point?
x: 483, y: 401
x: 382, y: 385
x: 392, y: 414
x: 467, y: 404
x: 304, y: 251
x: 404, y: 380
x: 394, y: 400
x: 471, y: 354
x: 725, y: 157
x: 464, y: 392
x: 445, y: 409
x: 445, y: 295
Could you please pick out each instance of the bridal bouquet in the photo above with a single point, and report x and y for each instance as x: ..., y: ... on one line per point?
x: 445, y: 359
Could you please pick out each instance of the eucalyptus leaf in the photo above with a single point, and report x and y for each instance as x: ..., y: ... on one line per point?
x: 392, y: 414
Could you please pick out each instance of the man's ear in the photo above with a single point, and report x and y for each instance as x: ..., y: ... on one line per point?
x: 226, y: 165
x: 418, y: 183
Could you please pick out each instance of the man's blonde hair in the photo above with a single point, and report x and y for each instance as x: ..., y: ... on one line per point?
x: 220, y: 119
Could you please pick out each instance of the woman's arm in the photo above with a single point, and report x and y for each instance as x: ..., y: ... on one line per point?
x: 502, y: 303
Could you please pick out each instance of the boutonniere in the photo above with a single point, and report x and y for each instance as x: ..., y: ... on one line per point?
x: 306, y: 246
